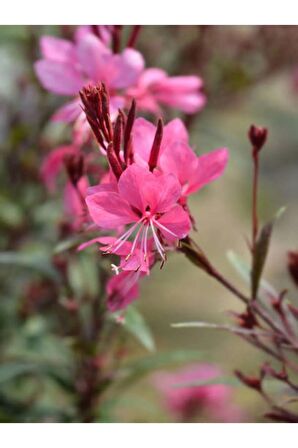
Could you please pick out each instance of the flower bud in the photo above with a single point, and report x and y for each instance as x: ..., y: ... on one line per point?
x: 251, y: 381
x: 257, y: 136
x: 74, y: 164
x: 293, y: 265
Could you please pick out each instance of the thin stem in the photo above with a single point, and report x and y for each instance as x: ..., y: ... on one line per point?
x: 255, y: 198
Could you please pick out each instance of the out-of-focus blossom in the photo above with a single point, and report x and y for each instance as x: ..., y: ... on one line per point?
x: 67, y: 66
x: 155, y: 88
x: 74, y: 202
x: 188, y: 402
x: 53, y: 163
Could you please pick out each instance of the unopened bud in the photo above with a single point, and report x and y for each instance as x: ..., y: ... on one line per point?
x: 251, y: 381
x: 257, y: 136
x: 74, y: 164
x: 293, y: 265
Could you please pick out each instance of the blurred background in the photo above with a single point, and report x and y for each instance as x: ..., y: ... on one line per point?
x: 250, y: 76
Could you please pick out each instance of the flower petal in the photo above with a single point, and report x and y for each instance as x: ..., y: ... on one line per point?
x: 131, y: 185
x: 122, y: 289
x: 177, y: 221
x: 92, y: 57
x: 143, y: 133
x: 57, y: 49
x: 209, y: 167
x: 125, y: 69
x: 109, y: 210
x: 179, y: 159
x: 53, y: 163
x: 68, y: 113
x: 58, y: 77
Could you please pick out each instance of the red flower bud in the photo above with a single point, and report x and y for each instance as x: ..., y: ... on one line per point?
x: 293, y: 265
x: 257, y: 136
x: 74, y: 164
x: 251, y: 381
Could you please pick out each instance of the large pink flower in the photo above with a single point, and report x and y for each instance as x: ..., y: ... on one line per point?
x: 147, y: 202
x: 67, y: 66
x: 186, y: 402
x: 180, y: 92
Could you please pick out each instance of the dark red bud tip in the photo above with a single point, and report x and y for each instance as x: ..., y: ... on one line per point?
x: 154, y: 154
x: 127, y: 149
x: 257, y: 136
x: 114, y: 161
x: 74, y: 164
x: 251, y: 381
x: 293, y: 265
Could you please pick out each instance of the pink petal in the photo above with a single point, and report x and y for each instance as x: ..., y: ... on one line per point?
x: 72, y: 200
x: 88, y: 243
x: 174, y: 131
x: 177, y: 221
x: 53, y: 163
x: 143, y: 135
x: 109, y: 210
x: 209, y: 167
x: 125, y: 69
x: 179, y: 159
x: 131, y: 185
x: 92, y: 57
x: 160, y: 192
x: 151, y: 76
x: 122, y: 289
x: 68, y: 113
x: 57, y: 49
x: 189, y: 103
x: 58, y: 77
x: 181, y: 84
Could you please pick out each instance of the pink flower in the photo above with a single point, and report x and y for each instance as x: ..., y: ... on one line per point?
x: 122, y: 289
x: 156, y: 87
x: 147, y: 202
x: 67, y: 66
x: 74, y: 204
x: 212, y: 401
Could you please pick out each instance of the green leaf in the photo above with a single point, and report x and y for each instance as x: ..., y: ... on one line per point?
x: 261, y: 252
x: 137, y: 326
x: 244, y: 271
x: 12, y: 370
x: 36, y: 262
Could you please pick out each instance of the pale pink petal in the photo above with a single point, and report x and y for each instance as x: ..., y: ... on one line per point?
x: 177, y: 221
x: 68, y: 113
x: 209, y: 167
x: 125, y: 69
x: 151, y: 76
x: 189, y: 103
x: 58, y: 77
x: 109, y: 210
x: 181, y: 84
x: 57, y: 49
x: 92, y: 57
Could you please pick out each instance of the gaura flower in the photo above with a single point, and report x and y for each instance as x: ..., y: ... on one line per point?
x: 147, y: 202
x: 155, y: 87
x: 188, y: 401
x: 67, y: 66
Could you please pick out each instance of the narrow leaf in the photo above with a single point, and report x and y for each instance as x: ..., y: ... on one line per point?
x: 137, y: 326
